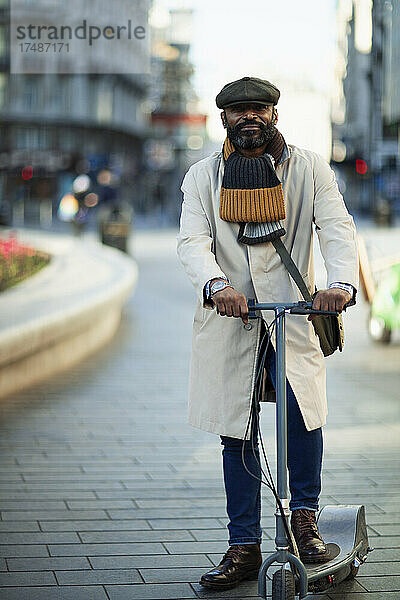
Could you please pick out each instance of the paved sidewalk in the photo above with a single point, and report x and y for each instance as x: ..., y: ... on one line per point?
x: 107, y: 493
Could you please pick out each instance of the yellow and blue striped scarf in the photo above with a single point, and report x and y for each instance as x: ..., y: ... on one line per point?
x: 251, y: 193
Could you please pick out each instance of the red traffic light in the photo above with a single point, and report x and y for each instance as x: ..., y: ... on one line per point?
x: 27, y: 172
x: 361, y: 166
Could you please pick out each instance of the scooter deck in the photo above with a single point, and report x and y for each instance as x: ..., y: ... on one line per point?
x: 343, y: 529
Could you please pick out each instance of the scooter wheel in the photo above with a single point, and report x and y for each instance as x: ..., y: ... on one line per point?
x: 283, y: 585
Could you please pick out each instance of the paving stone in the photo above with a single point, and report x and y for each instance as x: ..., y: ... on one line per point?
x: 353, y: 585
x: 14, y: 526
x: 201, y: 535
x: 181, y: 502
x: 201, y: 523
x: 183, y: 574
x: 136, y: 536
x: 388, y: 530
x: 167, y: 513
x: 60, y: 486
x: 82, y: 477
x: 195, y: 547
x: 162, y: 561
x: 53, y: 515
x: 95, y: 525
x: 48, y: 564
x: 9, y: 551
x: 380, y: 568
x: 387, y: 507
x: 164, y: 493
x: 27, y: 505
x: 389, y: 583
x: 151, y: 591
x: 367, y: 596
x: 384, y: 519
x: 385, y: 542
x: 98, y: 504
x: 72, y: 592
x: 383, y: 554
x: 101, y: 549
x: 100, y: 576
x: 26, y: 578
x: 38, y: 538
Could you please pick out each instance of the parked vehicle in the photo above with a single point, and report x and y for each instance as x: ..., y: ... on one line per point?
x: 384, y: 317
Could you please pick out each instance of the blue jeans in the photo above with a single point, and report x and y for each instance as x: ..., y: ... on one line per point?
x: 243, y: 492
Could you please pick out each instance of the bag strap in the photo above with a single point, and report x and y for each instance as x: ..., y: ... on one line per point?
x: 292, y: 268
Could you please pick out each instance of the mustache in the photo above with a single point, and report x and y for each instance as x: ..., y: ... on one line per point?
x: 240, y: 126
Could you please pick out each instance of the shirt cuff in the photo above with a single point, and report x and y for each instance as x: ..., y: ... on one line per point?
x: 348, y: 288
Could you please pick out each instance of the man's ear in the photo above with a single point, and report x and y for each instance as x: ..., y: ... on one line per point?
x: 223, y: 119
x: 274, y: 116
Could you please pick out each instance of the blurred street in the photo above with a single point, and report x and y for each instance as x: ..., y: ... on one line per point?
x: 107, y: 493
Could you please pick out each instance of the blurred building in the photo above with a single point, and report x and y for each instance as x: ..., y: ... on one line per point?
x: 392, y: 91
x: 56, y: 126
x: 144, y: 130
x: 351, y: 104
x: 178, y: 127
x: 366, y: 111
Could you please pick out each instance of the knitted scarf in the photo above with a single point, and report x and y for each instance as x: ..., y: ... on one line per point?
x: 251, y: 193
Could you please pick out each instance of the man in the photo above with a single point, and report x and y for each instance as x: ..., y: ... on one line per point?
x: 235, y: 202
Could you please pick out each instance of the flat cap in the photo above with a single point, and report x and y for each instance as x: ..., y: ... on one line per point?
x: 247, y: 89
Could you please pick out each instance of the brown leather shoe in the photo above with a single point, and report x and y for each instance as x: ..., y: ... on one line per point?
x: 312, y: 548
x: 239, y: 563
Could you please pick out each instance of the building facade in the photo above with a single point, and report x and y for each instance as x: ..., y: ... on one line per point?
x: 63, y: 125
x: 366, y: 131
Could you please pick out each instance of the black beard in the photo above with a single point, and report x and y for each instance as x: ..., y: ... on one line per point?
x: 248, y: 140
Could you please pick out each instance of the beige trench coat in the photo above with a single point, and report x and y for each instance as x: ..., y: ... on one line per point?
x: 224, y: 353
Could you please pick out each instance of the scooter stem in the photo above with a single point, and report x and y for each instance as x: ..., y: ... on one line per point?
x: 281, y: 540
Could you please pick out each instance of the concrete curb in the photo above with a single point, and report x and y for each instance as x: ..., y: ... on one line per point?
x: 66, y: 311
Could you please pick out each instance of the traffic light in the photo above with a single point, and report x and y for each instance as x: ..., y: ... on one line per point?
x: 27, y: 173
x: 361, y: 166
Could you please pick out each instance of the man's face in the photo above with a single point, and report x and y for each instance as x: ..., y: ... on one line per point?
x: 249, y: 125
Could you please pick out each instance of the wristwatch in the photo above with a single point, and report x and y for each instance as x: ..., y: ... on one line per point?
x: 217, y: 286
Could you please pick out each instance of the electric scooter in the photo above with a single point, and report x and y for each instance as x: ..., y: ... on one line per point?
x: 343, y: 528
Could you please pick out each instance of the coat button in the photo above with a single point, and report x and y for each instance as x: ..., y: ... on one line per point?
x: 248, y: 326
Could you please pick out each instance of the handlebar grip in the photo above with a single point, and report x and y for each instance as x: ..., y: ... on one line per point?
x: 250, y: 305
x: 311, y: 311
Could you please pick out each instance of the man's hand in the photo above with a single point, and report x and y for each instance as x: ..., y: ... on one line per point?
x: 230, y: 303
x: 333, y: 299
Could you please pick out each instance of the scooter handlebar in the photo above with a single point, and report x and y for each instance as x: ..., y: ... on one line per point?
x: 294, y: 308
